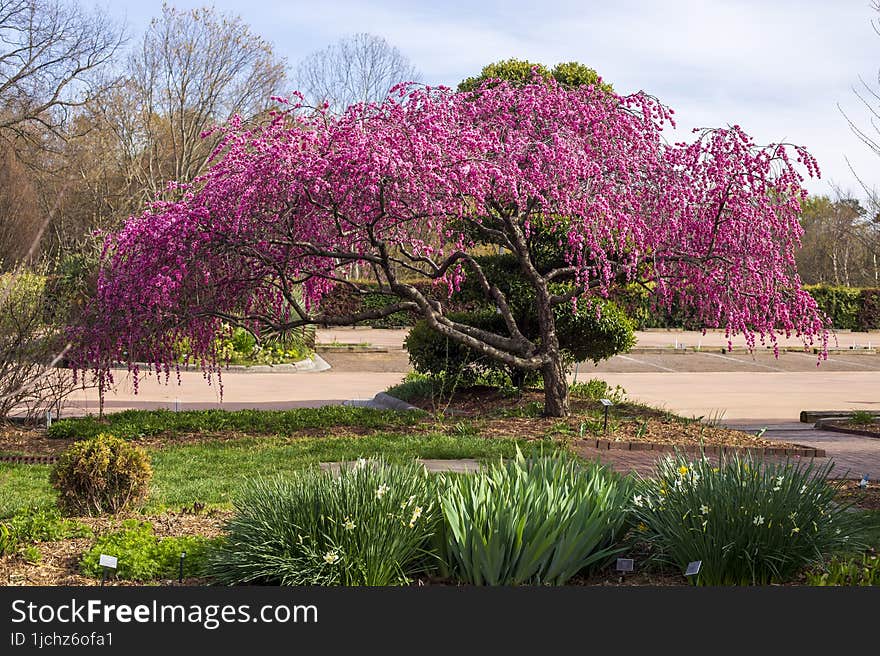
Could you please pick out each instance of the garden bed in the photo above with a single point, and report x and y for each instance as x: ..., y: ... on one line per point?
x: 847, y: 426
x: 59, y: 562
x: 490, y: 412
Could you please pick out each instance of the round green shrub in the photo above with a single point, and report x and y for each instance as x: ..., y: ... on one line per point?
x: 104, y: 474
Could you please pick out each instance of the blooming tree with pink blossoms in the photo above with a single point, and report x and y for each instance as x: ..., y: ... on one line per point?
x: 408, y: 187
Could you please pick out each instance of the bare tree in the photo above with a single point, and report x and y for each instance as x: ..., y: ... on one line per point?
x: 358, y: 68
x: 50, y: 54
x: 193, y: 70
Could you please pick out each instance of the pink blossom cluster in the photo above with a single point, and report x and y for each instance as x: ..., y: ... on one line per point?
x: 711, y: 225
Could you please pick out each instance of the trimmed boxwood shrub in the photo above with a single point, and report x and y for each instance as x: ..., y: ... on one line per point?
x: 105, y: 474
x: 595, y: 330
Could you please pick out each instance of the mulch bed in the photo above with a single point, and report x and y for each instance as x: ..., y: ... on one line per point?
x: 59, y: 562
x: 863, y: 498
x: 628, y: 423
x: 845, y: 426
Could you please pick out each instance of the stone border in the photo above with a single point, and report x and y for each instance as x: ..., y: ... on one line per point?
x: 383, y: 401
x: 817, y: 416
x: 796, y: 450
x: 29, y: 460
x: 314, y: 364
x: 848, y: 431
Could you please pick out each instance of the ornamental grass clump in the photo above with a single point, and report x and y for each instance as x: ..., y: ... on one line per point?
x: 749, y: 522
x: 370, y: 524
x: 539, y: 520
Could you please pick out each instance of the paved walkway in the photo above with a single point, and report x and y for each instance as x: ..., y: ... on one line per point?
x: 852, y: 455
x: 393, y: 338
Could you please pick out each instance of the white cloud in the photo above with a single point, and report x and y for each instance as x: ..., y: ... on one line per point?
x: 777, y: 68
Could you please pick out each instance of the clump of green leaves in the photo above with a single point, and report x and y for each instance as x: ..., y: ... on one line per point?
x: 595, y: 389
x: 861, y: 418
x: 142, y: 556
x: 748, y: 521
x: 539, y: 520
x: 370, y: 524
x: 32, y: 525
x: 847, y: 571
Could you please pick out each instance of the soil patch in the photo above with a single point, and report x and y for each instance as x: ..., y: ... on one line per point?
x: 495, y: 414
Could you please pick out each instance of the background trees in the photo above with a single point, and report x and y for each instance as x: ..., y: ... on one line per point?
x: 840, y: 243
x: 357, y: 69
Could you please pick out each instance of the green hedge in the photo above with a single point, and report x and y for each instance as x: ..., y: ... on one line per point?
x: 850, y: 308
x: 342, y: 301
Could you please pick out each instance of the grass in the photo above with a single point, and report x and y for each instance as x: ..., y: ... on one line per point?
x: 131, y: 424
x: 213, y: 472
x: 861, y: 418
x: 23, y: 486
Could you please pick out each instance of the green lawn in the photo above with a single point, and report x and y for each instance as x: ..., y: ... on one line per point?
x: 23, y: 485
x: 131, y: 424
x: 212, y: 472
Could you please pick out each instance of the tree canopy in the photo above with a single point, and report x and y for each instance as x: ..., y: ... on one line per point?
x: 519, y: 72
x: 410, y: 185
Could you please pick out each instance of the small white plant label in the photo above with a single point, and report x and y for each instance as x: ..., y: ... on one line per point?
x: 606, y: 402
x: 693, y: 568
x: 108, y: 561
x: 624, y: 564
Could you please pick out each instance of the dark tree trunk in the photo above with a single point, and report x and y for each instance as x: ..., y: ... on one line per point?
x: 555, y: 388
x: 555, y: 381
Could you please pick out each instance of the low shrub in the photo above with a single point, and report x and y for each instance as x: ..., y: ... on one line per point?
x: 862, y: 418
x: 595, y: 389
x: 31, y: 525
x: 141, y: 556
x: 539, y: 520
x: 105, y: 474
x: 748, y: 521
x: 132, y: 424
x: 848, y: 572
x: 370, y: 524
x: 416, y: 386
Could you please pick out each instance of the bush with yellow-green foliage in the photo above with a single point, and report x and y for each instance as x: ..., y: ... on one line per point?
x: 104, y: 474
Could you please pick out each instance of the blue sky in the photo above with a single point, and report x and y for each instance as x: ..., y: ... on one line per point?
x: 778, y: 68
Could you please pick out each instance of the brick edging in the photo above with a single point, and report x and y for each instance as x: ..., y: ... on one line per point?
x: 796, y: 450
x: 29, y: 460
x: 848, y: 431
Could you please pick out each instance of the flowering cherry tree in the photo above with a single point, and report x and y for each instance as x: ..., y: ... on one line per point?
x: 408, y: 187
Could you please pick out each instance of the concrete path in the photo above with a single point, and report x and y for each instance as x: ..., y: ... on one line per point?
x: 393, y: 338
x: 738, y: 387
x: 240, y: 391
